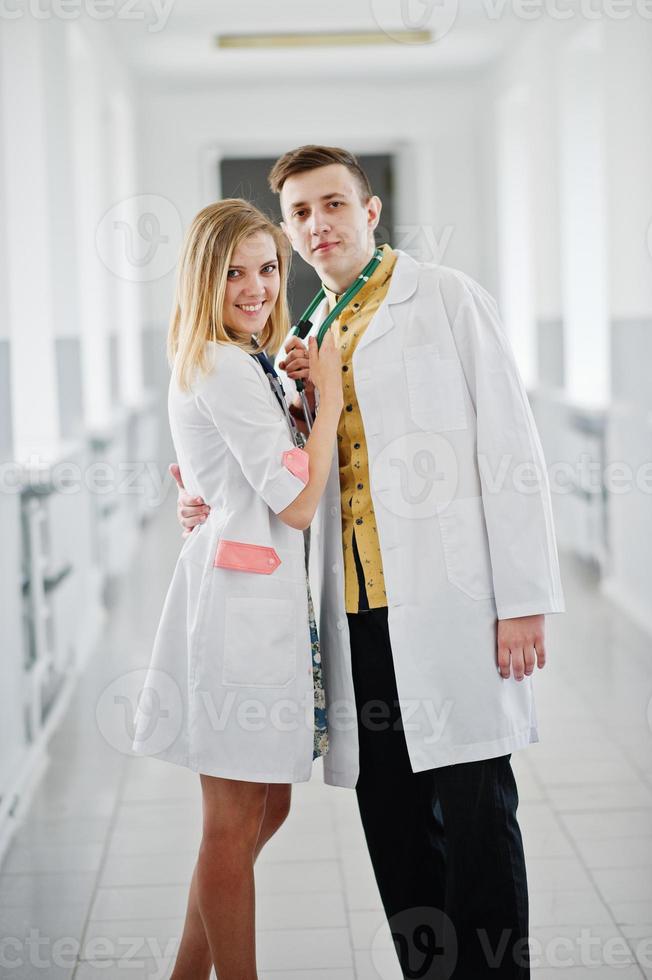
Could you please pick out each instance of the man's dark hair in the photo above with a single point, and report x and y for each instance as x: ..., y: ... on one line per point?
x: 310, y: 158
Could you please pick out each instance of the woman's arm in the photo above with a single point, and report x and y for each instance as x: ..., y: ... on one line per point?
x: 237, y: 400
x: 326, y: 375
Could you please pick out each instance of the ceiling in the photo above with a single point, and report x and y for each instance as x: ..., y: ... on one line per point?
x: 175, y: 39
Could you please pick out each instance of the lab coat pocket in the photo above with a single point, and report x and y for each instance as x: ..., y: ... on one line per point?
x: 259, y: 642
x: 435, y: 387
x: 466, y: 548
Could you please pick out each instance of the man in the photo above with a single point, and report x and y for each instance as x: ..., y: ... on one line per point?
x: 434, y: 544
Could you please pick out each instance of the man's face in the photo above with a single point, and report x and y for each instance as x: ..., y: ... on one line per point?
x: 327, y: 222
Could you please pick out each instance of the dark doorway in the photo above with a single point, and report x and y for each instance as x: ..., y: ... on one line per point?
x: 248, y: 179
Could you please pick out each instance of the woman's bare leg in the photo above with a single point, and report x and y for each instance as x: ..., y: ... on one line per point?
x: 194, y: 955
x: 194, y: 959
x: 233, y: 815
x: 279, y: 797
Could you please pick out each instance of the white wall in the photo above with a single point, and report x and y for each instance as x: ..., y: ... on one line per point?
x: 589, y: 92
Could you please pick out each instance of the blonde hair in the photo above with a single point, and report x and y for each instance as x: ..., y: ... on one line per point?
x: 197, y: 315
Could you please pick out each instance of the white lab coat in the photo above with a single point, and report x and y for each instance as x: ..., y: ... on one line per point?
x: 229, y: 691
x: 465, y: 524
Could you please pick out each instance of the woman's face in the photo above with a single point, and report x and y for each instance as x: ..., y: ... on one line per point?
x: 253, y: 283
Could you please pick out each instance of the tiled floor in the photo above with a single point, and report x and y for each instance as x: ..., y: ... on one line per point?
x: 102, y: 862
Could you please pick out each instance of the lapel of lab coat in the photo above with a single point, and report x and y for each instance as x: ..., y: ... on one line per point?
x: 405, y: 278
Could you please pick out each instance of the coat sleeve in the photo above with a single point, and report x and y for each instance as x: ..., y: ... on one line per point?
x: 235, y: 397
x: 513, y: 475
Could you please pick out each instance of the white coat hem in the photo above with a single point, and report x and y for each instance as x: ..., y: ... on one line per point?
x: 300, y: 775
x: 475, y: 752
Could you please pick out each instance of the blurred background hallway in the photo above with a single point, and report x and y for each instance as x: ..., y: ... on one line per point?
x: 512, y: 141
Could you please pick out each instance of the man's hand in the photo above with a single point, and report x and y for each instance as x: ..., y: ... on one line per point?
x: 191, y: 511
x: 296, y: 365
x: 521, y: 645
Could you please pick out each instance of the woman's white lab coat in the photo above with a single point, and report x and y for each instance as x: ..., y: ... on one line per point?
x: 463, y: 511
x: 229, y: 691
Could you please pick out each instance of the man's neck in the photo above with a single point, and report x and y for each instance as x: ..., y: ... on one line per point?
x: 341, y: 283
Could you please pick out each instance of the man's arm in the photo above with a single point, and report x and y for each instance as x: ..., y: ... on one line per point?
x: 191, y: 511
x: 514, y: 479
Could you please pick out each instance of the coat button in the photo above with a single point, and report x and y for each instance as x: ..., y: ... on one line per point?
x: 358, y: 520
x: 341, y: 624
x: 334, y: 511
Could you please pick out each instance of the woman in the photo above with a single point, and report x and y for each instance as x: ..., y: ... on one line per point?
x: 234, y: 688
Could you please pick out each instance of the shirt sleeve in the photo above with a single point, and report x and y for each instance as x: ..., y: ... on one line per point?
x: 238, y: 400
x: 517, y: 507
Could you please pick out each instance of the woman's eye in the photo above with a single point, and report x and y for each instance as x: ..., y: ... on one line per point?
x: 232, y: 273
x: 269, y: 268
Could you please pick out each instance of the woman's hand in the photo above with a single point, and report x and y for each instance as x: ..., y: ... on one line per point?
x: 326, y: 368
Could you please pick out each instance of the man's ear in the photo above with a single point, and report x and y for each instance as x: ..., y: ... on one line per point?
x: 374, y: 208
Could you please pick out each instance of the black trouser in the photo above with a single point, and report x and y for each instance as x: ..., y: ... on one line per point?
x: 445, y: 844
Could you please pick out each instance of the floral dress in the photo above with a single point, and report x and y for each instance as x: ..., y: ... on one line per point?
x: 320, y: 742
x: 320, y: 746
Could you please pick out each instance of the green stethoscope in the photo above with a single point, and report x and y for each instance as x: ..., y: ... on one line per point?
x: 304, y: 326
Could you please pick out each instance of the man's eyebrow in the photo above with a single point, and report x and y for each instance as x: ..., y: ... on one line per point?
x: 324, y: 197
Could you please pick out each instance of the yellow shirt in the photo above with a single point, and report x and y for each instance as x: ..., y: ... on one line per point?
x: 357, y: 509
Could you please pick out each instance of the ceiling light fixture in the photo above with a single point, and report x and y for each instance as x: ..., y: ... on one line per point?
x: 320, y: 40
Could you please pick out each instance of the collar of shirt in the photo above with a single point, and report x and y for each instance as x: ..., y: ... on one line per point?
x: 378, y: 276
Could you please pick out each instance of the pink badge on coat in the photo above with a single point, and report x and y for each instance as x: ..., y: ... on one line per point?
x: 241, y: 557
x: 297, y: 461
